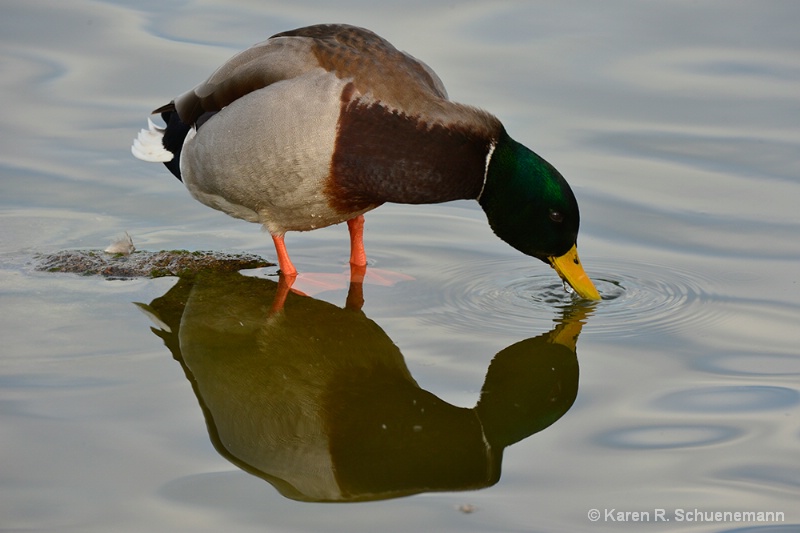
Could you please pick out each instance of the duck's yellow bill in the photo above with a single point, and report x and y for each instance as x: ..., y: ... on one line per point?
x: 569, y: 268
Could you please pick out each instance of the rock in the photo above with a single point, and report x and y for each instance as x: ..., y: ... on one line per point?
x: 143, y: 264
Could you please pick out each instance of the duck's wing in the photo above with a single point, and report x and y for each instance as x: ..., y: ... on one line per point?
x: 376, y: 68
x: 374, y: 65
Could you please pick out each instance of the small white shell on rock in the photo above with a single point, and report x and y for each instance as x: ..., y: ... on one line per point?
x: 123, y: 245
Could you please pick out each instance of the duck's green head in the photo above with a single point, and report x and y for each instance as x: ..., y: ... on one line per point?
x: 530, y: 205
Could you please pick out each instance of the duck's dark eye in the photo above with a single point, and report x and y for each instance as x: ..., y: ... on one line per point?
x: 556, y: 216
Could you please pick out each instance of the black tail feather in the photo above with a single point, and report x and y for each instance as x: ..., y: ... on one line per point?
x: 175, y: 134
x: 173, y: 140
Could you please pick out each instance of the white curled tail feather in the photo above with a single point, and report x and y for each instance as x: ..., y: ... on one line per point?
x: 148, y: 145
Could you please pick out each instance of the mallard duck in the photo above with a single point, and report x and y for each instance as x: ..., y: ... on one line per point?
x: 318, y: 125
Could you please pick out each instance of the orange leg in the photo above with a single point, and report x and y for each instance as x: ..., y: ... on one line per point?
x: 288, y: 274
x: 358, y: 256
x: 284, y: 263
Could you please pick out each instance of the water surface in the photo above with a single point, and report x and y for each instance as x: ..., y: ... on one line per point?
x: 676, y: 125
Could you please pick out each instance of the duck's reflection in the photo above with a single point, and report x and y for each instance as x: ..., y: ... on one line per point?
x: 318, y: 401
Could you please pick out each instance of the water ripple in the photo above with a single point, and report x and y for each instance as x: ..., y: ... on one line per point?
x: 730, y: 399
x: 638, y: 298
x: 749, y: 364
x: 667, y: 436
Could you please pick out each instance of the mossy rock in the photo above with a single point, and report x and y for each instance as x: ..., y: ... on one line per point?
x: 143, y: 264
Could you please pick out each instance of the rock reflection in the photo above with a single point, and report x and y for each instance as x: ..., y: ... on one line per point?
x: 318, y: 401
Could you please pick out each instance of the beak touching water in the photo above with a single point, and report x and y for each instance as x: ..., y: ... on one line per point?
x: 569, y: 268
